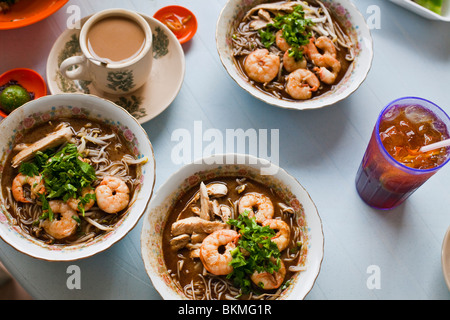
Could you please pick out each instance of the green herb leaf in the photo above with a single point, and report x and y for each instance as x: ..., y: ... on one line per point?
x: 85, y: 200
x: 65, y: 176
x: 29, y: 169
x: 263, y: 254
x: 47, y: 212
x: 294, y: 26
x: 267, y: 37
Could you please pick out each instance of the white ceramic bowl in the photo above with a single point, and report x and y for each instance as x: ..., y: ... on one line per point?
x: 77, y: 105
x: 350, y: 18
x: 424, y: 12
x: 445, y: 257
x: 219, y: 166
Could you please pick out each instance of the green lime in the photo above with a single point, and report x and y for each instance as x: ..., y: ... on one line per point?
x: 13, y: 97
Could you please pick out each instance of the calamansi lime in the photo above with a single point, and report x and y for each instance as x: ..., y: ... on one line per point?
x: 13, y: 97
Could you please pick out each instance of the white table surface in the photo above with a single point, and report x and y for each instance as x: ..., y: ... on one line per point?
x: 321, y: 148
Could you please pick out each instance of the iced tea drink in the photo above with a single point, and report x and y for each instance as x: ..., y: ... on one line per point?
x: 393, y: 167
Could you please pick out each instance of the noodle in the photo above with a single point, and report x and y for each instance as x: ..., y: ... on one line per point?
x: 187, y: 269
x: 246, y: 39
x: 104, y: 151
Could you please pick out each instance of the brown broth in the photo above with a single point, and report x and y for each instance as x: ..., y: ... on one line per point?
x: 115, y: 151
x: 282, y: 94
x: 193, y: 267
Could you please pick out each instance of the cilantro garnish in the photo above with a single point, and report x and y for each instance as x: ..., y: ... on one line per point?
x: 29, y: 169
x: 294, y: 26
x: 65, y: 176
x: 261, y: 253
x: 47, y: 212
x: 267, y: 36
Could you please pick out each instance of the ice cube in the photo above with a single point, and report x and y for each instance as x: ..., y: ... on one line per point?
x: 391, y: 114
x: 418, y: 114
x: 440, y: 126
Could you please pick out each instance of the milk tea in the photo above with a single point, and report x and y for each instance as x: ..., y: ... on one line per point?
x: 115, y: 39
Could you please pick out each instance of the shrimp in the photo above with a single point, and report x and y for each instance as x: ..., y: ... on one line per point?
x: 215, y: 262
x: 327, y: 65
x: 301, y: 83
x: 281, y: 42
x: 281, y: 238
x: 64, y: 224
x: 326, y: 75
x: 326, y: 44
x: 261, y: 66
x: 36, y: 184
x: 291, y: 64
x: 269, y: 281
x: 314, y: 55
x: 74, y: 203
x: 112, y: 194
x: 262, y: 204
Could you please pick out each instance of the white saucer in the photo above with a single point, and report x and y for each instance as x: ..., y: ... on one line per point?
x: 445, y: 258
x: 147, y: 102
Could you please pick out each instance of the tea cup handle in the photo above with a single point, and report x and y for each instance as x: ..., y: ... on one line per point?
x: 79, y: 73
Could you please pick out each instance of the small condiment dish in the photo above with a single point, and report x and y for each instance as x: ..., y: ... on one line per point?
x: 25, y: 13
x: 27, y: 78
x: 181, y: 21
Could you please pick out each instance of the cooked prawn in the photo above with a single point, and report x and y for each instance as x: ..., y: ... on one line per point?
x: 261, y: 66
x: 281, y: 238
x: 36, y: 184
x: 74, y: 203
x: 326, y: 75
x: 260, y: 202
x: 112, y: 194
x: 215, y: 262
x: 269, y: 281
x: 313, y: 53
x: 281, y: 42
x: 291, y: 64
x: 301, y: 83
x: 63, y: 224
x: 326, y: 44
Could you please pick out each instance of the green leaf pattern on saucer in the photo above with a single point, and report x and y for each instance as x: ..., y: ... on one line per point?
x: 71, y: 48
x: 121, y: 80
x: 147, y: 102
x: 160, y: 43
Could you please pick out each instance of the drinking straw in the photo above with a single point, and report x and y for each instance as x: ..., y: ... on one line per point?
x: 436, y: 145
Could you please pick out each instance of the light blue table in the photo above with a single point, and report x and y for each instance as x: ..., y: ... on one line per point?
x: 321, y: 148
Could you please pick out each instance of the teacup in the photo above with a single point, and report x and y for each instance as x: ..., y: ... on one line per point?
x: 116, y: 52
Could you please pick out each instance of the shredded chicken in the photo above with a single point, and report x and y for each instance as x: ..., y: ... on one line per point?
x: 197, y: 225
x: 54, y: 139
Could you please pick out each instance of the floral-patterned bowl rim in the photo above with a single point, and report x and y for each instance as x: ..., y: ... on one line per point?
x: 349, y: 17
x: 238, y: 165
x: 90, y: 107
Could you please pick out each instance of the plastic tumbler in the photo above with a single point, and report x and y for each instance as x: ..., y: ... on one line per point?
x: 383, y: 182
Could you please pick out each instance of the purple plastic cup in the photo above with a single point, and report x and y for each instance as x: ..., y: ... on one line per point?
x: 381, y: 181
